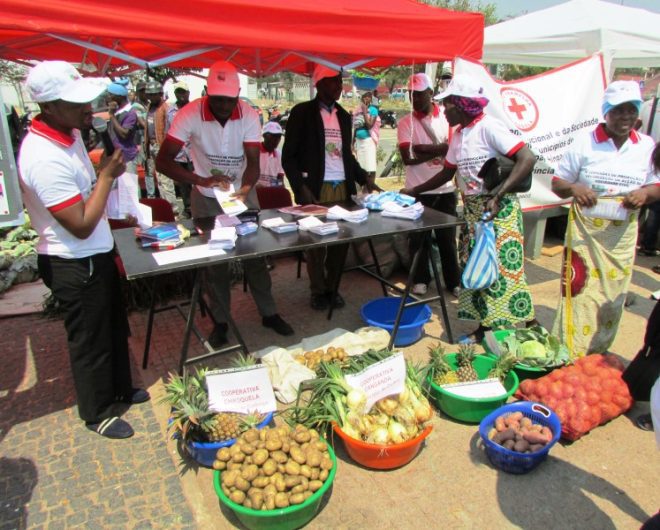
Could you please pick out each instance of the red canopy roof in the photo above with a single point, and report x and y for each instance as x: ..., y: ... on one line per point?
x: 260, y: 37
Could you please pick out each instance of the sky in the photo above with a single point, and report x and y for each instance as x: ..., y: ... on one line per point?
x: 508, y: 8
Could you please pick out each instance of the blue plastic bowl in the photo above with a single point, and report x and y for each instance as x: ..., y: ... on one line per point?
x: 512, y: 461
x: 365, y: 83
x: 204, y: 452
x: 381, y: 313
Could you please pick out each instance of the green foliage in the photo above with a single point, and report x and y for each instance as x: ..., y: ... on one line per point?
x: 162, y: 74
x: 536, y: 347
x: 12, y: 72
x: 509, y: 72
x: 488, y: 10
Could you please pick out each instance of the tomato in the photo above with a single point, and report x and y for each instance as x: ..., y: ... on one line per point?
x: 555, y: 375
x: 596, y: 415
x: 609, y: 411
x: 542, y: 387
x: 592, y: 398
x: 623, y: 402
x: 609, y: 384
x: 579, y: 426
x: 527, y: 386
x: 561, y: 412
x: 550, y: 402
x: 574, y: 378
x: 557, y: 390
x: 571, y: 408
x: 591, y: 384
x: 580, y: 394
x: 590, y: 369
x: 583, y: 410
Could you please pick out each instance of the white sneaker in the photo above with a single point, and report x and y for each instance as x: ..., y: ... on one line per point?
x: 456, y: 291
x: 419, y: 288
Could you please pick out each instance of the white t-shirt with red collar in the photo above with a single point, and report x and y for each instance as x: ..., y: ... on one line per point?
x: 270, y: 167
x: 216, y: 149
x: 412, y: 129
x: 594, y: 160
x: 55, y: 172
x: 471, y: 146
x: 334, y: 160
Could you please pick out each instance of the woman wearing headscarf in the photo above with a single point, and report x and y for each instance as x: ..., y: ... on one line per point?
x: 608, y: 175
x: 478, y: 138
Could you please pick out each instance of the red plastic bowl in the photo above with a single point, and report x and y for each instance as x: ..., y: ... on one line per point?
x: 382, y: 456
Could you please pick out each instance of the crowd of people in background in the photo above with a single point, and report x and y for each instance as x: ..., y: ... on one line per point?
x: 190, y: 148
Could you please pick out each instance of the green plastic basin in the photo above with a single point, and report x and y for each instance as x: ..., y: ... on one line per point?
x: 471, y: 410
x: 282, y: 518
x: 522, y: 370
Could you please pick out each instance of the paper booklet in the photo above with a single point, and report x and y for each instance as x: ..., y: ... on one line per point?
x: 229, y: 204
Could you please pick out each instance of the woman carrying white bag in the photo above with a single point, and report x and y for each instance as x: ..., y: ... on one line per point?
x: 479, y: 138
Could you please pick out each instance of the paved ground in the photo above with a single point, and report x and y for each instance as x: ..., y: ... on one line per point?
x: 56, y: 474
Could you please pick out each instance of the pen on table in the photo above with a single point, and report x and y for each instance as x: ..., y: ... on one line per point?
x: 162, y: 245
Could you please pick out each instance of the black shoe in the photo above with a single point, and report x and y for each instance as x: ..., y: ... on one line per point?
x: 644, y: 422
x: 277, y: 324
x: 649, y: 251
x: 218, y: 336
x: 112, y: 428
x: 319, y: 302
x: 138, y: 395
x: 339, y: 301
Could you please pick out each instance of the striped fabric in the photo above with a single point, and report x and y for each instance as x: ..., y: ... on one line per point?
x: 481, y: 269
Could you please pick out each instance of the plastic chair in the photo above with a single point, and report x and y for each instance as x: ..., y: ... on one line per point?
x: 276, y: 197
x: 161, y: 210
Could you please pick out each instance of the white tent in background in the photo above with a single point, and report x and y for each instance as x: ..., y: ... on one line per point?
x: 626, y: 36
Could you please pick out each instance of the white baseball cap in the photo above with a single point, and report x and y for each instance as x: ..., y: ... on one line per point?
x: 180, y: 85
x: 462, y: 85
x: 53, y: 80
x: 272, y: 127
x: 419, y: 82
x: 618, y: 92
x: 223, y: 80
x: 321, y: 72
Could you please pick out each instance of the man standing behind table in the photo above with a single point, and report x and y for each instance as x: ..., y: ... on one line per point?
x: 321, y: 168
x: 123, y: 124
x: 224, y: 134
x: 182, y: 98
x: 422, y: 136
x: 271, y: 173
x: 66, y: 203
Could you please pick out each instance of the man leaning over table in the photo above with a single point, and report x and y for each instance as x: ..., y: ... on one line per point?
x: 224, y: 135
x: 321, y: 168
x: 66, y: 203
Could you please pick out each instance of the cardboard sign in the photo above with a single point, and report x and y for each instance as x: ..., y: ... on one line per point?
x: 382, y: 379
x: 242, y: 390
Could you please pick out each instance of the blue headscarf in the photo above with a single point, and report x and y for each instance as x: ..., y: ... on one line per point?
x: 117, y: 89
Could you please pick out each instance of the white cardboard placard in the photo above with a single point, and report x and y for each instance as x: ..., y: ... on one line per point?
x: 385, y: 378
x: 242, y: 390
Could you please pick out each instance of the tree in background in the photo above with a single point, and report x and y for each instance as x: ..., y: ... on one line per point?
x: 488, y: 10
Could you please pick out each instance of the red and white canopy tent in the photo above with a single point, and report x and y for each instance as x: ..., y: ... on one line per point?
x: 260, y: 37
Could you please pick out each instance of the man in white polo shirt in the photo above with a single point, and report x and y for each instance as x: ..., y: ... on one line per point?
x: 66, y: 203
x: 423, y: 137
x: 271, y: 173
x: 224, y: 135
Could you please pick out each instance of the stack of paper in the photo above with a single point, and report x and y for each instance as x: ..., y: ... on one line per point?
x: 226, y: 220
x: 227, y: 202
x: 413, y: 212
x: 278, y: 225
x: 246, y: 228
x: 357, y: 216
x: 485, y: 388
x: 223, y: 237
x: 324, y: 229
x: 308, y: 222
x: 376, y: 201
x: 611, y: 210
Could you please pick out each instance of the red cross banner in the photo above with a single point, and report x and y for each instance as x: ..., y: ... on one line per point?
x: 547, y: 111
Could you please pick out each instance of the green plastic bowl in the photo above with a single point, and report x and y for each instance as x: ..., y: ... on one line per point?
x: 281, y: 518
x: 471, y: 410
x: 522, y: 370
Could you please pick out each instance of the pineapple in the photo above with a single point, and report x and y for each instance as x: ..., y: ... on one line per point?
x: 442, y: 372
x: 223, y: 426
x: 503, y: 366
x: 464, y: 357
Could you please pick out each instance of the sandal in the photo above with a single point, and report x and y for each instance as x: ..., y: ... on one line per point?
x: 644, y: 422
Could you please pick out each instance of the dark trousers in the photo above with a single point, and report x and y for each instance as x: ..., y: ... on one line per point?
x: 89, y: 293
x: 183, y: 189
x: 445, y: 239
x: 651, y: 226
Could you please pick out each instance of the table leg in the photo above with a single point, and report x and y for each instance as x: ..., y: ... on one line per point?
x: 150, y: 327
x: 377, y: 266
x: 190, y: 321
x: 440, y: 287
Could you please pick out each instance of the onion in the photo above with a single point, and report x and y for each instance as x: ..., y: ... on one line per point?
x: 387, y: 405
x: 378, y: 436
x: 397, y: 432
x: 350, y: 431
x: 356, y: 400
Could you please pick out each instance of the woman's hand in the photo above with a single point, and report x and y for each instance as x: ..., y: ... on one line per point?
x: 584, y: 195
x: 306, y: 196
x: 407, y: 191
x: 492, y: 208
x: 635, y: 199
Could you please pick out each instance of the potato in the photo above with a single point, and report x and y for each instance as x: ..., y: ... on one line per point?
x: 323, y: 474
x: 302, y: 436
x: 521, y: 446
x: 269, y: 467
x: 247, y: 503
x: 508, y: 434
x: 314, y: 457
x: 223, y: 454
x: 545, y: 431
x: 535, y: 447
x: 320, y: 445
x: 250, y: 472
x: 262, y: 434
x: 314, y: 434
x: 261, y: 482
x: 260, y: 456
x: 290, y: 481
x: 235, y: 450
x: 273, y: 444
x: 237, y: 496
x: 306, y: 471
x: 242, y: 484
x: 281, y: 500
x: 535, y: 438
x: 280, y: 485
x: 292, y: 467
x: 257, y: 499
x: 297, y: 455
x: 315, y: 473
x: 247, y: 448
x: 234, y: 465
x: 508, y: 444
x: 286, y: 446
x: 326, y: 463
x: 307, y: 494
x: 297, y: 498
x: 499, y: 424
x: 281, y: 468
x: 220, y: 465
x: 315, y: 485
x: 270, y: 489
x: 226, y: 490
x: 251, y: 435
x: 229, y: 478
x: 525, y: 422
x: 270, y: 502
x: 297, y: 489
x: 238, y: 457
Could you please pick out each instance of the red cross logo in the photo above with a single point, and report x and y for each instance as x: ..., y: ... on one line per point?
x: 517, y: 108
x: 520, y: 108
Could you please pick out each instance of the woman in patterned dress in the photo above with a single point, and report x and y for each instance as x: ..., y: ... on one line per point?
x: 478, y: 138
x: 607, y: 172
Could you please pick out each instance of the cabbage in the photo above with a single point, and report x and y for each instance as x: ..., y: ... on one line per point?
x: 532, y: 348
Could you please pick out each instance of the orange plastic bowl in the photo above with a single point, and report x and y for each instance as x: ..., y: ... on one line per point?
x: 382, y: 456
